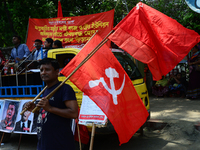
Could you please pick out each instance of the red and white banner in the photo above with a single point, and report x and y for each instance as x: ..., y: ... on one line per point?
x: 70, y: 30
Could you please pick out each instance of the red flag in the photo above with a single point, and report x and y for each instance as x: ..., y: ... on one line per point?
x: 59, y: 14
x: 154, y: 38
x: 104, y: 80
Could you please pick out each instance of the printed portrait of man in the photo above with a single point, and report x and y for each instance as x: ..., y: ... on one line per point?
x: 24, y: 124
x: 10, y: 116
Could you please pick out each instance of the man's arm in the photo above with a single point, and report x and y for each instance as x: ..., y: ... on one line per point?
x: 26, y: 51
x: 70, y: 112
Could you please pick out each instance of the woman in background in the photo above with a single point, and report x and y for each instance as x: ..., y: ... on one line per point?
x: 193, y: 91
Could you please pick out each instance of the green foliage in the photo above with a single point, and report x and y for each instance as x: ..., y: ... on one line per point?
x: 178, y: 10
x: 15, y: 14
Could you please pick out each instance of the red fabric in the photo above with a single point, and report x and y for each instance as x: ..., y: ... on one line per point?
x: 154, y: 38
x: 129, y: 112
x: 59, y: 13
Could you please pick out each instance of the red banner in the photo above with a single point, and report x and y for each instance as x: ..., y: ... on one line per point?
x: 70, y: 30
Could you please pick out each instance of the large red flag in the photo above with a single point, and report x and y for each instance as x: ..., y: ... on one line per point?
x: 59, y: 13
x: 104, y: 80
x: 154, y: 38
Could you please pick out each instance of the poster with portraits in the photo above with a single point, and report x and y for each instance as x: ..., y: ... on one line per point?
x: 9, y: 114
x: 12, y: 121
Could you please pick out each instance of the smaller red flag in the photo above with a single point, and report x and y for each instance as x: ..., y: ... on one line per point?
x: 104, y: 80
x: 154, y: 38
x: 59, y: 14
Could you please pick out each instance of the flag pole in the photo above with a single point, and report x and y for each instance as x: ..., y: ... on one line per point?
x: 79, y: 137
x: 85, y: 60
x: 92, y: 136
x: 22, y: 112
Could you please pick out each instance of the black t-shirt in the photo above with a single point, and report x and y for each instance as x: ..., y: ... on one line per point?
x: 54, y: 132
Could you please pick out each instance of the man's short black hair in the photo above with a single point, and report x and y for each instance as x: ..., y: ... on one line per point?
x: 58, y: 43
x: 50, y: 40
x: 51, y: 61
x: 38, y: 40
x: 17, y: 36
x: 11, y: 103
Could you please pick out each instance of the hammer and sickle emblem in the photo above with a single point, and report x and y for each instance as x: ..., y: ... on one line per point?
x: 139, y: 5
x: 110, y: 73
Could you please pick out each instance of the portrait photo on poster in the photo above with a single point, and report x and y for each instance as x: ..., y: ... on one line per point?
x: 24, y: 122
x: 10, y: 111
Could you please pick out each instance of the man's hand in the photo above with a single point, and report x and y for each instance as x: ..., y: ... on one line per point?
x: 44, y: 103
x: 29, y: 106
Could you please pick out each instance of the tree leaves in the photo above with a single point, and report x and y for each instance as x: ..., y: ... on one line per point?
x: 15, y: 20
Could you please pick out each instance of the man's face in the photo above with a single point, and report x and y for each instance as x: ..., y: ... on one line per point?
x: 46, y: 44
x: 48, y: 73
x: 37, y: 45
x: 10, y: 112
x: 26, y: 115
x: 15, y: 40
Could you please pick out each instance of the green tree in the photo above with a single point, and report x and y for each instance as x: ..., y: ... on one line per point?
x: 15, y: 14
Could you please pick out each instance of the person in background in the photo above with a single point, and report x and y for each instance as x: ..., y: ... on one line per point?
x: 2, y: 60
x: 161, y: 87
x: 177, y: 85
x: 47, y: 46
x: 20, y: 51
x: 57, y: 44
x: 193, y: 91
x: 38, y: 46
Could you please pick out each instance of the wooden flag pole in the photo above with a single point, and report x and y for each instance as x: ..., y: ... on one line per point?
x: 85, y: 60
x: 92, y: 136
x: 79, y: 137
x: 20, y: 141
x: 34, y: 99
x: 46, y: 86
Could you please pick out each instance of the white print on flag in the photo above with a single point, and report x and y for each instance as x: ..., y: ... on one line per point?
x: 110, y: 73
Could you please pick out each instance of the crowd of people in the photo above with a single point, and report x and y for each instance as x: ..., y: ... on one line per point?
x: 21, y: 51
x: 176, y: 85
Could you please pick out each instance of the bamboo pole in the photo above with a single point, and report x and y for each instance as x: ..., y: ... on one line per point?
x: 20, y: 138
x: 92, y: 136
x: 34, y: 99
x: 85, y: 60
x: 46, y: 86
x: 79, y: 137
